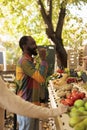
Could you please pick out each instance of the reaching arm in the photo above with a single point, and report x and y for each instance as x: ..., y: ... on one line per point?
x: 17, y: 105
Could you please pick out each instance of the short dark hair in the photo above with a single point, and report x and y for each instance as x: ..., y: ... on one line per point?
x: 23, y: 41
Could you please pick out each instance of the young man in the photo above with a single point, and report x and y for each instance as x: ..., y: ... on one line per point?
x: 29, y: 79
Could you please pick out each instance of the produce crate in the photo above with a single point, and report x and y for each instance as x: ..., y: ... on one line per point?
x: 1, y: 67
x: 11, y: 67
x: 8, y: 76
x: 73, y: 59
x: 81, y: 56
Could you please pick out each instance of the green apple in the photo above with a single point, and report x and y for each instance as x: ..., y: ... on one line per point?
x: 85, y: 106
x: 79, y: 73
x: 80, y: 126
x: 79, y: 103
x: 75, y: 113
x: 81, y: 109
x: 73, y: 109
x: 67, y: 70
x: 74, y: 120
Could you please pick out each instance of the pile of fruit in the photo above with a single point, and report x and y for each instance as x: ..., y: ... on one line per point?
x: 60, y: 81
x: 71, y: 80
x: 68, y: 94
x: 78, y: 115
x: 72, y: 97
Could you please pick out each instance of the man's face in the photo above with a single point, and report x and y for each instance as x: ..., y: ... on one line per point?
x: 32, y: 51
x: 31, y: 47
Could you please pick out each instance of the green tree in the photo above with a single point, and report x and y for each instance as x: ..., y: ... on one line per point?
x: 35, y: 18
x: 55, y: 32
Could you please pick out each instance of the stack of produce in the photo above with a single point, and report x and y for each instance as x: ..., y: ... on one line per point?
x: 72, y: 97
x: 60, y: 81
x: 78, y: 115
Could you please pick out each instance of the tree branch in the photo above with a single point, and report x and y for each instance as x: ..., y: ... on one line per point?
x: 61, y: 20
x: 49, y: 3
x: 42, y: 9
x: 47, y: 18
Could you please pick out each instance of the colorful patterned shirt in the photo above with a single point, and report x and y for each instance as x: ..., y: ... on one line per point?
x: 29, y: 78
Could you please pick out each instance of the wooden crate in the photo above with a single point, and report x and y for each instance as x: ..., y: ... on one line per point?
x: 81, y: 56
x: 1, y: 67
x: 73, y: 59
x: 11, y: 67
x: 8, y: 76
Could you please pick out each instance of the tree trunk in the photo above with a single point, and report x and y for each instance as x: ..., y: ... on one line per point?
x: 60, y: 52
x: 55, y: 35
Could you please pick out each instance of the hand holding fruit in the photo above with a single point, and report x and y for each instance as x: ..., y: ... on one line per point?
x: 42, y: 53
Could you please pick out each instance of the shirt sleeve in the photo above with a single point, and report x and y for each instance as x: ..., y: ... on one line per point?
x: 29, y: 69
x: 17, y: 105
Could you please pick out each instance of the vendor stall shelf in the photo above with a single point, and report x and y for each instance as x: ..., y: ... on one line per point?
x: 62, y: 121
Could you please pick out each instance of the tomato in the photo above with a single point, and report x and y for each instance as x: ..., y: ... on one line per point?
x: 69, y: 101
x: 63, y: 102
x: 82, y: 95
x: 60, y: 71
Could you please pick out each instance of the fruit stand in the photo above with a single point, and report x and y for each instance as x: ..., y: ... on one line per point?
x: 61, y: 121
x: 58, y: 87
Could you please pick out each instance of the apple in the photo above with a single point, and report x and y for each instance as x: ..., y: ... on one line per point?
x: 79, y: 103
x: 81, y: 108
x: 85, y: 105
x: 74, y: 120
x: 73, y: 109
x: 66, y: 70
x: 79, y: 73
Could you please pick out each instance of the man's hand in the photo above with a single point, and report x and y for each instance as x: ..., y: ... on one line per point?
x: 42, y: 53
